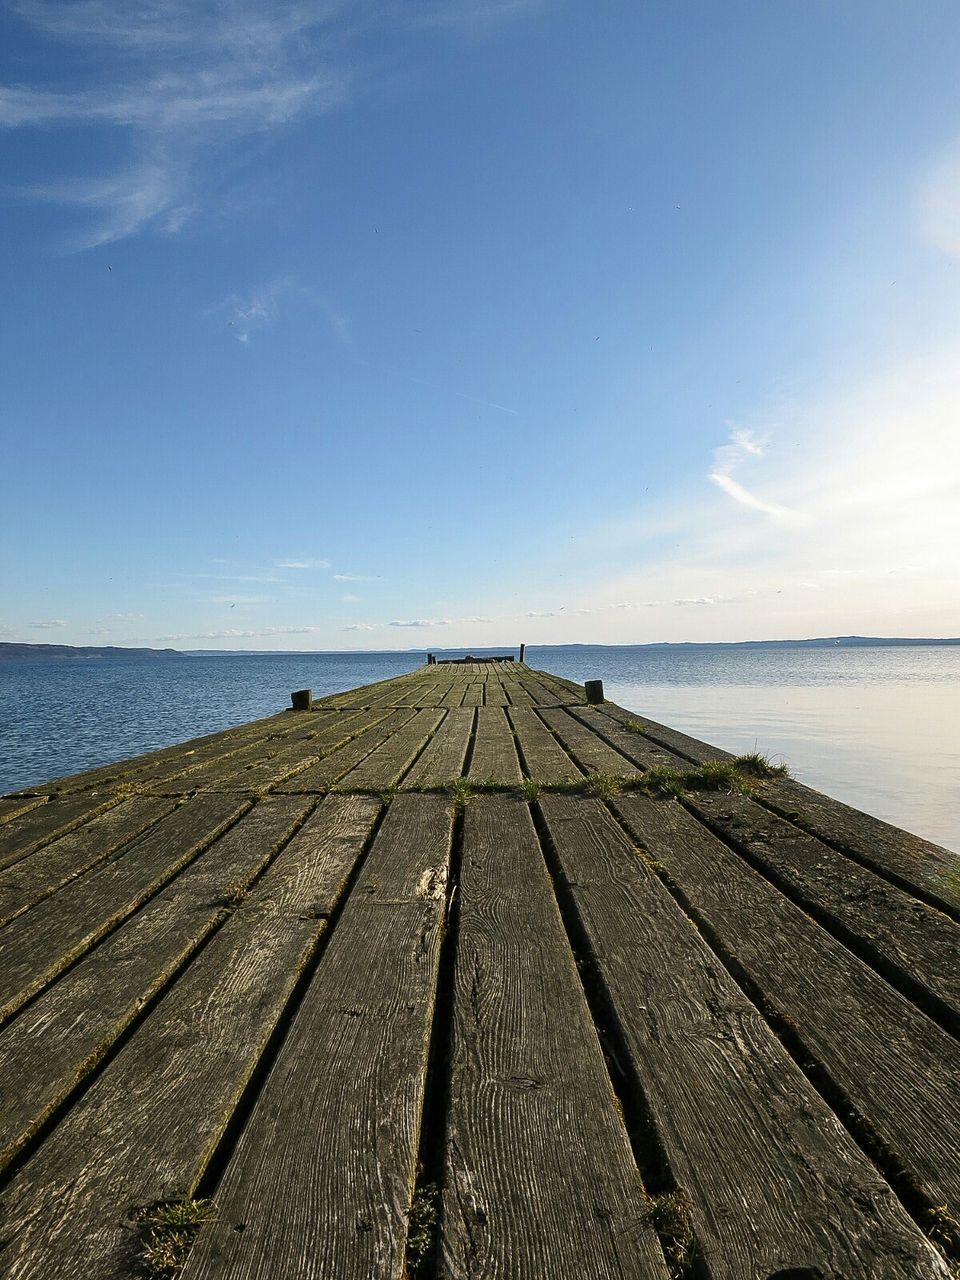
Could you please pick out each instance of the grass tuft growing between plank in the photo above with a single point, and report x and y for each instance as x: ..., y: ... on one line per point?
x: 601, y: 785
x: 756, y: 765
x: 670, y: 1215
x: 460, y: 792
x: 172, y: 1228
x: 423, y: 1224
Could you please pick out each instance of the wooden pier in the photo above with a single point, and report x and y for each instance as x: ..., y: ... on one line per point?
x: 458, y: 977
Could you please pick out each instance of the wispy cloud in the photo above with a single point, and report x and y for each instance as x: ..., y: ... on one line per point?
x: 421, y: 622
x: 304, y: 564
x: 48, y: 624
x: 728, y: 458
x: 181, y: 80
x: 247, y: 314
x: 871, y: 479
x: 351, y: 577
x: 238, y: 633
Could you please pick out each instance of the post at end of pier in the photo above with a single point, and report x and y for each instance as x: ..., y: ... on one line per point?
x: 522, y: 650
x: 594, y: 690
x: 302, y: 699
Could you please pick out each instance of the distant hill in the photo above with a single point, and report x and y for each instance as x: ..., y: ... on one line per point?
x: 44, y: 652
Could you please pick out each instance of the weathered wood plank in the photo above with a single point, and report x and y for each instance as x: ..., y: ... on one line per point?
x: 24, y: 835
x: 325, y: 1168
x: 474, y: 695
x: 36, y: 877
x: 443, y: 757
x: 494, y: 694
x: 322, y: 776
x: 206, y: 772
x: 540, y: 1179
x: 421, y: 694
x: 61, y: 1035
x: 14, y: 806
x: 494, y: 751
x: 385, y: 765
x: 454, y: 694
x: 910, y: 943
x: 691, y: 749
x: 775, y: 1183
x: 518, y: 695
x: 35, y: 947
x: 566, y: 692
x: 914, y: 862
x: 168, y: 761
x: 284, y: 761
x: 545, y: 759
x: 542, y: 695
x: 589, y: 751
x: 147, y: 1126
x: 641, y: 751
x: 896, y: 1070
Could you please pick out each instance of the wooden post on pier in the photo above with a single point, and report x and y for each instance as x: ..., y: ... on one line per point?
x: 522, y: 649
x: 302, y: 699
x: 594, y: 690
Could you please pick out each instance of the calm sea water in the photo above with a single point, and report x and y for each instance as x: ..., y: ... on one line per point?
x: 878, y: 727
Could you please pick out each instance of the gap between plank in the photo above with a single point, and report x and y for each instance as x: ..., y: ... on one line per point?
x: 885, y: 1161
x: 213, y: 1172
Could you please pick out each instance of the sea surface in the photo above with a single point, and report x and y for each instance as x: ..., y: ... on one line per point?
x: 878, y: 726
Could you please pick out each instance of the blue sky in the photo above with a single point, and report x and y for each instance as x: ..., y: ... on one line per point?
x: 372, y: 325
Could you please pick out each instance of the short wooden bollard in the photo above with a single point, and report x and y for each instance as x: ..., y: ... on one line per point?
x: 430, y: 659
x: 302, y: 699
x: 594, y: 690
x: 523, y: 648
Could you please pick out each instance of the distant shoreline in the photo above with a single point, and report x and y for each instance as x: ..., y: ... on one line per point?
x: 17, y: 652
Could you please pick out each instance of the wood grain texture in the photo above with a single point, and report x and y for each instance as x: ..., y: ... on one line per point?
x: 589, y: 751
x: 60, y: 1037
x: 774, y: 1180
x: 36, y: 877
x: 322, y: 1178
x: 443, y: 757
x: 639, y: 750
x: 494, y: 694
x: 540, y: 1178
x: 146, y: 1128
x: 154, y: 766
x: 494, y: 752
x: 453, y: 694
x: 286, y: 758
x: 913, y: 861
x: 544, y: 759
x: 682, y: 744
x: 31, y: 831
x: 473, y: 696
x: 909, y: 942
x: 14, y: 806
x: 541, y: 693
x: 35, y: 947
x: 896, y: 1070
x: 322, y: 776
x: 388, y: 762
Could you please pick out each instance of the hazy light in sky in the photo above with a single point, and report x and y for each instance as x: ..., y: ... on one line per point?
x: 538, y: 328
